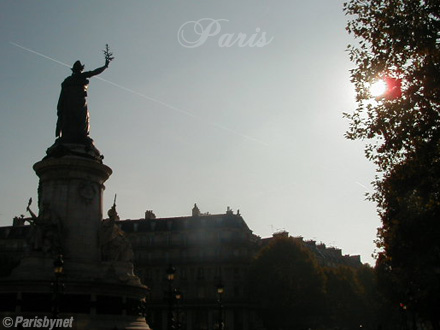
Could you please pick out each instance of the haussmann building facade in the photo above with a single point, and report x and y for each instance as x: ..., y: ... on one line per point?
x: 195, y: 267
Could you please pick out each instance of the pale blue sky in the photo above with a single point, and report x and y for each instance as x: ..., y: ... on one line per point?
x: 259, y: 129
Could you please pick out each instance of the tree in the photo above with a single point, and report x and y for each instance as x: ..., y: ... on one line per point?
x: 399, y: 40
x: 288, y: 284
x: 410, y: 234
x: 351, y: 297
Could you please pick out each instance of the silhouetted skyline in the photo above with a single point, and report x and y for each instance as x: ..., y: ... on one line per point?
x: 256, y: 126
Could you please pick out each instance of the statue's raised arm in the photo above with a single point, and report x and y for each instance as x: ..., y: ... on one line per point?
x: 95, y: 72
x: 73, y: 115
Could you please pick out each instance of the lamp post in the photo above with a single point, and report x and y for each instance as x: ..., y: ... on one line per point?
x: 171, y: 272
x: 58, y: 269
x: 178, y: 295
x: 220, y: 291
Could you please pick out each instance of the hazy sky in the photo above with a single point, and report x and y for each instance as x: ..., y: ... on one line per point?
x: 256, y: 126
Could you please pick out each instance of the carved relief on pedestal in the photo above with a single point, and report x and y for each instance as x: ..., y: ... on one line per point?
x: 45, y: 234
x: 87, y: 192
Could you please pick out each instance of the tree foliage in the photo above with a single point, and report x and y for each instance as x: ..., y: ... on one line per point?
x: 347, y: 300
x: 410, y: 234
x: 295, y: 292
x: 400, y: 39
x: 289, y: 285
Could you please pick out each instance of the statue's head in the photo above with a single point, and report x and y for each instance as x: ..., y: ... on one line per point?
x: 77, y: 67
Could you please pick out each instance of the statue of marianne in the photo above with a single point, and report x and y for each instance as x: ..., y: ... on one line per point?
x: 73, y: 115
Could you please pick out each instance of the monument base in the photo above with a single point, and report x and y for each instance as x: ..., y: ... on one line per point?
x: 85, y: 150
x: 36, y: 266
x: 70, y: 202
x: 90, y: 305
x: 97, y: 288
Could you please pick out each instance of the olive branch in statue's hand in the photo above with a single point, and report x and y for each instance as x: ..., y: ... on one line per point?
x: 107, y: 55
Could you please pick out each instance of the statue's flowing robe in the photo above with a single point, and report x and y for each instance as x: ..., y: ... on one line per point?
x: 73, y: 115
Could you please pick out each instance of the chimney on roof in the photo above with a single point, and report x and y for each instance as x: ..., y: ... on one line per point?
x: 149, y: 214
x: 281, y: 233
x: 195, y: 211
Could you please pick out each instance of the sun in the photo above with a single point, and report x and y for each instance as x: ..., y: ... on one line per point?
x: 378, y: 88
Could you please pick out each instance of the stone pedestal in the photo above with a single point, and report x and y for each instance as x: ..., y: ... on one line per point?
x: 73, y: 188
x: 97, y: 294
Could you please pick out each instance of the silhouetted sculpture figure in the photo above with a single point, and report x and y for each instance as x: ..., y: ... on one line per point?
x: 45, y: 232
x: 115, y: 246
x: 72, y: 129
x: 73, y: 115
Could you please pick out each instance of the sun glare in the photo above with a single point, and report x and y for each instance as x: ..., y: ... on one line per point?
x: 378, y: 88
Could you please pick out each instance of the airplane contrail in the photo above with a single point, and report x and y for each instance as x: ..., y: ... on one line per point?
x: 363, y: 186
x: 39, y: 54
x: 148, y: 97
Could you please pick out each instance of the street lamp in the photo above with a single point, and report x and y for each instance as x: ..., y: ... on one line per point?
x: 178, y: 295
x: 58, y: 265
x: 58, y: 268
x: 171, y: 272
x: 220, y: 291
